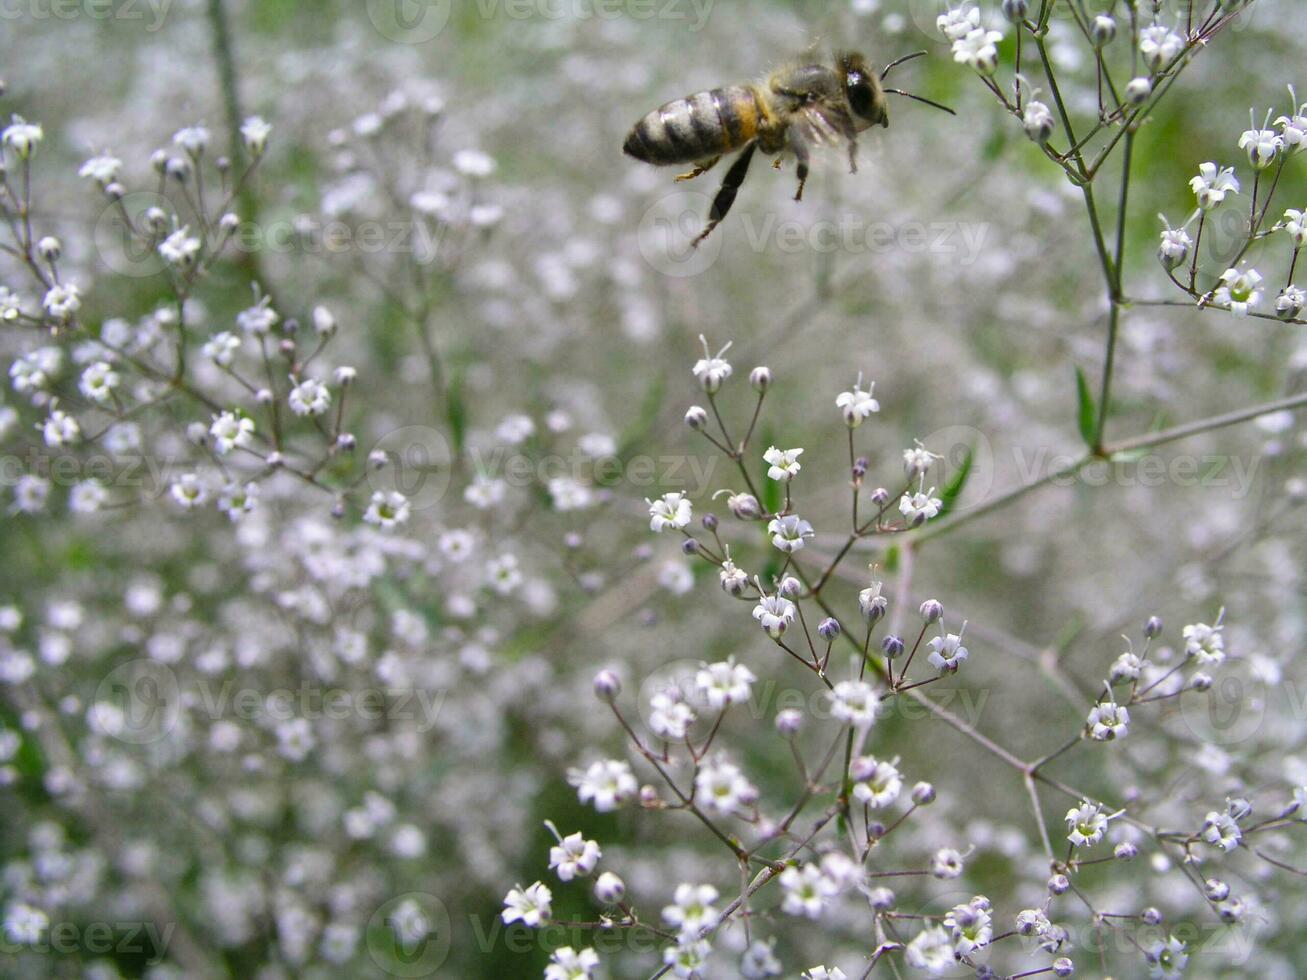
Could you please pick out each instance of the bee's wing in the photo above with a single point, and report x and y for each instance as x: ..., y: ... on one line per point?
x: 823, y: 126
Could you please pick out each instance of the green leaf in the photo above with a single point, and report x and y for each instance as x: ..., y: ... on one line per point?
x: 953, y: 489
x: 1088, y: 415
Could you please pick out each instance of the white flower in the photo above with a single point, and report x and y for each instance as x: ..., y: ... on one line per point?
x: 857, y: 405
x: 387, y: 509
x: 1262, y: 145
x: 607, y: 784
x: 99, y: 381
x: 1240, y: 291
x: 1086, y: 824
x: 947, y: 863
x: 295, y: 739
x: 783, y: 463
x: 1221, y: 830
x: 259, y: 319
x: 503, y: 574
x: 22, y: 136
x: 669, y: 716
x: 230, y: 431
x: 692, y: 910
x: 565, y: 963
x: 712, y: 371
x: 515, y: 430
x: 309, y: 397
x: 25, y: 924
x: 855, y: 703
x: 871, y: 603
x: 1293, y: 127
x: 574, y: 857
x: 958, y: 22
x: 947, y: 652
x: 1295, y: 225
x: 222, y: 347
x: 1159, y: 46
x: 979, y: 50
x: 821, y: 973
x: 1107, y: 720
x: 670, y: 510
x: 931, y: 950
x: 569, y: 494
x: 102, y: 168
x: 733, y: 578
x: 60, y: 429
x: 687, y: 958
x: 1204, y: 643
x: 1212, y: 184
x: 720, y: 787
x: 1032, y: 922
x: 774, y: 614
x: 11, y: 304
x: 30, y: 494
x: 1126, y: 667
x: 87, y: 497
x: 530, y: 906
x: 788, y: 532
x: 1167, y: 960
x: 971, y: 926
x: 917, y: 460
x: 724, y: 683
x: 759, y: 962
x: 180, y: 248
x: 62, y: 300
x: 1174, y: 247
x: 237, y: 500
x: 192, y: 139
x: 807, y: 891
x: 254, y: 133
x: 1038, y: 122
x: 474, y: 163
x: 920, y: 506
x: 876, y: 783
x: 485, y: 492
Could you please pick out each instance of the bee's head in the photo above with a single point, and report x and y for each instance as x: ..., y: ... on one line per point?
x: 863, y: 90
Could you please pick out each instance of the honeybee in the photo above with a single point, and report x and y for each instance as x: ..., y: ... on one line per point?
x: 797, y: 109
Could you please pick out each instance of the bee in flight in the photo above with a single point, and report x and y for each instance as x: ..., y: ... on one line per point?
x: 798, y: 108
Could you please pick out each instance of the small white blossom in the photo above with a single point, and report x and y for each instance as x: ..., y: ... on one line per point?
x: 669, y: 716
x: 1107, y: 721
x: 180, y: 249
x: 238, y: 499
x: 857, y: 405
x: 1174, y: 247
x: 222, y: 347
x: 387, y: 509
x: 920, y: 506
x: 724, y: 683
x: 1204, y: 643
x: 774, y: 614
x: 474, y: 163
x: 670, y: 510
x: 1221, y: 830
x: 574, y: 857
x: 99, y: 381
x: 309, y: 397
x: 254, y: 133
x: 1159, y: 46
x: 712, y: 370
x: 783, y: 464
x: 854, y: 703
x: 22, y: 136
x: 876, y: 783
x: 606, y: 784
x: 1167, y: 960
x: 979, y: 49
x: 947, y: 863
x: 87, y: 497
x: 1086, y: 824
x: 1212, y: 184
x: 231, y: 431
x: 720, y: 787
x: 515, y: 430
x: 971, y: 926
x: 503, y: 574
x: 566, y: 963
x: 958, y: 22
x: 530, y: 906
x: 259, y: 319
x: 60, y: 429
x: 692, y: 910
x: 485, y: 492
x: 789, y: 532
x: 807, y: 891
x: 931, y: 950
x: 1262, y: 145
x: 11, y: 304
x: 947, y: 652
x: 1240, y: 291
x: 101, y: 168
x: 62, y: 300
x: 192, y: 139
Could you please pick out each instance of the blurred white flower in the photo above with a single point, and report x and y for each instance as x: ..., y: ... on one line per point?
x: 530, y: 906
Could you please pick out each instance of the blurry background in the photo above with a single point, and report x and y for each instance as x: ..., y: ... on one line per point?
x: 570, y: 294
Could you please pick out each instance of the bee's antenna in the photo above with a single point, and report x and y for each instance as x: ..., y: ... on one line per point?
x: 921, y: 98
x: 899, y: 61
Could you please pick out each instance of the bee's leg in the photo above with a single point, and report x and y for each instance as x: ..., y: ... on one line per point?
x: 699, y: 168
x: 802, y: 155
x: 721, y: 204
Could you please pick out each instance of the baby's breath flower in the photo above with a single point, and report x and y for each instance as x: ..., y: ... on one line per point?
x: 180, y: 249
x: 854, y: 703
x: 724, y: 683
x: 193, y: 139
x: 387, y: 509
x: 692, y: 911
x: 1262, y: 145
x: 722, y: 788
x: 979, y: 49
x: 1212, y: 184
x: 971, y: 926
x: 530, y: 906
x: 606, y: 784
x: 573, y: 856
x: 783, y: 464
x: 871, y: 603
x: 1126, y: 667
x: 237, y: 500
x: 258, y: 319
x: 1240, y: 291
x: 734, y: 580
x: 99, y: 381
x: 254, y: 134
x: 22, y: 137
x: 759, y: 962
x: 102, y: 168
x: 309, y: 397
x: 920, y: 506
x: 222, y: 348
x: 609, y: 888
x: 875, y: 782
x: 788, y: 532
x: 1174, y: 248
x: 1167, y: 959
x: 958, y: 22
x: 485, y: 492
x: 11, y: 304
x: 1221, y: 830
x: 807, y: 891
x: 687, y: 958
x: 669, y: 716
x: 671, y: 510
x: 230, y: 431
x: 87, y: 497
x: 1204, y: 643
x: 1086, y: 824
x: 774, y: 614
x: 931, y: 950
x: 62, y: 300
x: 1159, y: 46
x: 474, y: 163
x: 1038, y: 121
x: 856, y: 405
x: 712, y: 370
x: 1107, y: 721
x: 566, y: 963
x: 947, y: 652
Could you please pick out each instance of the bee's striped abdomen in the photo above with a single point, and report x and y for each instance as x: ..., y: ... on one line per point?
x: 698, y: 127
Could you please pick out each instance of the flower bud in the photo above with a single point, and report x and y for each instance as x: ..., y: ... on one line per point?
x: 1137, y: 90
x: 923, y: 794
x: 1063, y: 967
x: 607, y: 685
x: 1290, y: 302
x: 1151, y: 916
x: 892, y: 647
x: 710, y: 522
x: 159, y: 161
x: 789, y: 722
x: 115, y: 191
x: 761, y: 378
x: 377, y: 458
x: 50, y: 248
x: 1201, y: 681
x: 572, y: 540
x: 1058, y: 885
x: 932, y: 611
x: 609, y: 889
x: 860, y: 466
x: 228, y: 223
x: 829, y: 628
x: 1015, y: 10
x: 346, y: 442
x: 789, y: 587
x: 324, y: 322
x: 1216, y: 890
x: 696, y: 418
x: 648, y: 796
x: 1153, y: 627
x: 1125, y: 851
x: 744, y: 506
x: 880, y: 497
x: 689, y: 546
x: 881, y: 899
x: 1038, y: 121
x: 1102, y: 31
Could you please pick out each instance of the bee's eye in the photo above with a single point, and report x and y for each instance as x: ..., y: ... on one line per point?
x: 859, y: 92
